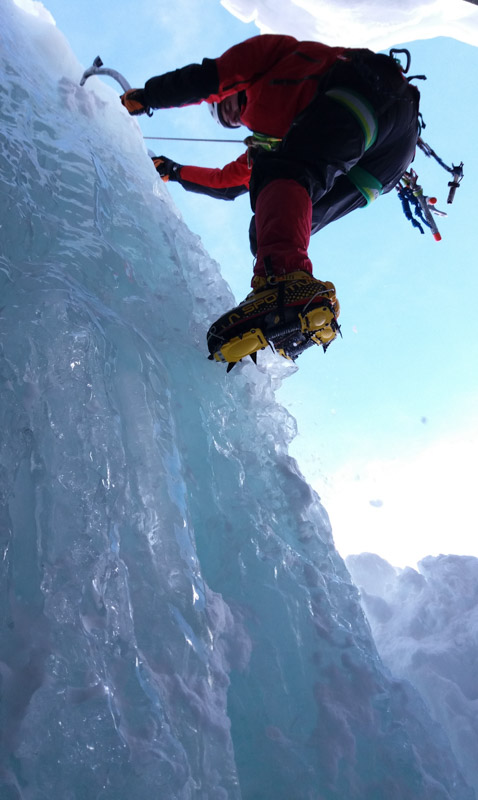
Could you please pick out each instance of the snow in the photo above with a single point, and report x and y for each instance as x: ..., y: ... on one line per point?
x: 362, y: 23
x: 425, y: 624
x: 36, y: 9
x: 177, y: 621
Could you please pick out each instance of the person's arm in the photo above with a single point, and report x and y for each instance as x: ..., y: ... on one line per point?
x: 182, y: 87
x: 213, y: 79
x: 225, y: 184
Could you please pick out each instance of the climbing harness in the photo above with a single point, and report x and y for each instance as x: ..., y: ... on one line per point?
x: 260, y: 141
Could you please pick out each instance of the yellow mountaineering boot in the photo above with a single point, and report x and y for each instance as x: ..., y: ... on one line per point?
x: 289, y: 313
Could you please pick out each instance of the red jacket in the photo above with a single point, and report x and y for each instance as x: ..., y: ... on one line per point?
x: 278, y: 74
x: 279, y: 77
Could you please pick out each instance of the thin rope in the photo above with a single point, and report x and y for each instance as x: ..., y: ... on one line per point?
x: 182, y: 139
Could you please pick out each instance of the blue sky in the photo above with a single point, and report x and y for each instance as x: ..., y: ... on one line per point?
x: 388, y: 419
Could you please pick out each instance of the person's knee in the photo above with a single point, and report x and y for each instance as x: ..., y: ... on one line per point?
x: 271, y: 169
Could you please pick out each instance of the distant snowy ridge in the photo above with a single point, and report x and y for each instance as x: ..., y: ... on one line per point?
x: 361, y: 23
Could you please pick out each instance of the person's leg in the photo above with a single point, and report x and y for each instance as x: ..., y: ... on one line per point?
x: 285, y: 184
x: 289, y: 308
x: 283, y: 222
x: 341, y: 200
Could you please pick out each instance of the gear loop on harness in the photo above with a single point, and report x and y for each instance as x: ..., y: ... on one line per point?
x: 260, y: 141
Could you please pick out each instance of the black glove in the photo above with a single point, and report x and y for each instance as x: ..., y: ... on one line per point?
x: 134, y: 102
x: 166, y: 168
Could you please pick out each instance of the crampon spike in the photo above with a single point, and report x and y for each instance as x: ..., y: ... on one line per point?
x: 254, y: 357
x: 230, y: 366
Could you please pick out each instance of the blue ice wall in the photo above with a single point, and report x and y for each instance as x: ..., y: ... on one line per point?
x: 175, y: 620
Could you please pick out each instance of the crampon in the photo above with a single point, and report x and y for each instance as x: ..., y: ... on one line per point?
x: 288, y: 314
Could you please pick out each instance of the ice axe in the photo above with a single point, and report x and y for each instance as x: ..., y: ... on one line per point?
x: 97, y: 68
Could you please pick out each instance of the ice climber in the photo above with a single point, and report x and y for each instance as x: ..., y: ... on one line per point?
x: 332, y: 129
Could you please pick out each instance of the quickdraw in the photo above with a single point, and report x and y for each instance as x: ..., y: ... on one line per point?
x: 411, y: 194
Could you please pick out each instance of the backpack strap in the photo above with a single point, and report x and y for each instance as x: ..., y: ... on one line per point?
x: 369, y: 186
x: 360, y: 108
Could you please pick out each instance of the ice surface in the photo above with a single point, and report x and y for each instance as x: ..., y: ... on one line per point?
x: 176, y: 622
x: 425, y: 623
x: 362, y: 23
